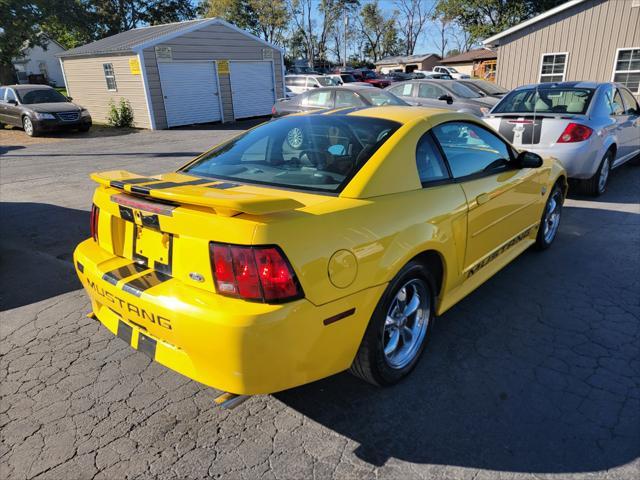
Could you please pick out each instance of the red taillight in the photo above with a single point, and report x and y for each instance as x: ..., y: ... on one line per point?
x: 253, y: 273
x: 574, y: 132
x: 95, y: 215
x: 273, y: 110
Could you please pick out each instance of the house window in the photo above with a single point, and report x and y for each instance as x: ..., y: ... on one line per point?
x: 627, y: 69
x: 109, y: 76
x: 553, y: 68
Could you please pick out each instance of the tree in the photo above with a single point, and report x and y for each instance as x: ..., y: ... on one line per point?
x: 304, y: 26
x: 374, y: 25
x: 484, y: 18
x: 412, y: 17
x: 272, y: 18
x: 238, y: 12
x: 443, y: 25
x: 22, y: 23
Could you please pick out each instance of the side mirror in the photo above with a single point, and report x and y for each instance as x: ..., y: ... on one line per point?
x: 70, y: 98
x: 446, y: 98
x: 528, y: 160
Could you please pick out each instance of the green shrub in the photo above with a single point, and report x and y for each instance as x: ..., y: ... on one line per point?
x: 121, y: 115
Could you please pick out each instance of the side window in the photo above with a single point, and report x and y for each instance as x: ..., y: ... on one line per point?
x: 109, y: 76
x: 630, y: 104
x: 471, y: 149
x: 617, y: 105
x: 347, y: 99
x: 429, y: 90
x: 11, y: 95
x: 289, y: 81
x: 402, y: 90
x: 312, y: 82
x: 320, y: 99
x: 431, y: 167
x: 2, y: 90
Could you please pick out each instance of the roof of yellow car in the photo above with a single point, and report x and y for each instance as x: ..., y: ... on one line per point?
x: 401, y: 114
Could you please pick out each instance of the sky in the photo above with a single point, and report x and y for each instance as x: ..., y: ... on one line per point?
x: 426, y: 42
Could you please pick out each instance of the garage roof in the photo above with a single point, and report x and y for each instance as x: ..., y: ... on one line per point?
x: 470, y: 56
x: 405, y: 59
x: 143, y: 37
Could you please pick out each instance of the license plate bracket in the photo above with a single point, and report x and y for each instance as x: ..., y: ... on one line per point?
x: 153, y: 248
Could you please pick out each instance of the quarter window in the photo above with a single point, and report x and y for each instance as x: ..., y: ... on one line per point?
x: 470, y: 149
x: 431, y: 167
x: 630, y: 104
x: 109, y: 76
x: 627, y: 69
x: 553, y: 67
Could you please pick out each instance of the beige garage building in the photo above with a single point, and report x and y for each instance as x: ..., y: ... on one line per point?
x: 183, y: 73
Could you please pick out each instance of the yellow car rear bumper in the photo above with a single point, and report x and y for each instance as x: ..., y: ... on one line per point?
x: 229, y: 344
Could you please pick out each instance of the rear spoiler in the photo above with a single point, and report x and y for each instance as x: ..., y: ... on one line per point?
x: 187, y: 190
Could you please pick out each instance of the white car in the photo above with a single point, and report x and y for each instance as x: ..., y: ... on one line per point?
x: 451, y: 71
x: 590, y: 127
x: 347, y: 80
x: 302, y: 83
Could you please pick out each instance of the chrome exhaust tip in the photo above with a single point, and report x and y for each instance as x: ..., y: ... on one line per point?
x: 229, y: 401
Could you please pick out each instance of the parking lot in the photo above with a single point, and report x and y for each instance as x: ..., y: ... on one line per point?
x: 535, y: 375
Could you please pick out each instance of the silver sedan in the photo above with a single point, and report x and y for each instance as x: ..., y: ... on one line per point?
x: 449, y: 94
x: 590, y: 127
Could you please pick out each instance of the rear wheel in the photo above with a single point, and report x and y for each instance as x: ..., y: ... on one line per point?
x: 29, y: 127
x: 597, y: 185
x: 550, y: 219
x: 399, y: 328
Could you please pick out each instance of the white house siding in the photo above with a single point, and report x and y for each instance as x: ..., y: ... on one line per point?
x: 210, y: 43
x: 87, y: 85
x: 30, y: 62
x: 590, y: 32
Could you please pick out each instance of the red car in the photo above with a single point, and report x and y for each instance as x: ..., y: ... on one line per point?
x: 369, y: 76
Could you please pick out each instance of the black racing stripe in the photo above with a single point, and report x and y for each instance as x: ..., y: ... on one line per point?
x: 131, y: 181
x: 80, y: 267
x: 147, y: 345
x: 224, y: 185
x: 140, y: 284
x: 146, y: 189
x: 124, y: 331
x: 114, y: 276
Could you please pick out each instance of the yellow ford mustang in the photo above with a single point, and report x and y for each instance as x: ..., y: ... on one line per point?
x: 313, y: 244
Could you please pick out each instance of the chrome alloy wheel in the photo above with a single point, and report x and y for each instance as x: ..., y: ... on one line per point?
x: 604, y: 174
x: 551, y: 219
x: 406, y: 323
x: 28, y: 126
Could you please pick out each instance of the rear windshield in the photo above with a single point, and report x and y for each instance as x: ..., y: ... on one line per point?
x: 308, y: 152
x: 40, y: 95
x: 378, y: 97
x: 546, y: 100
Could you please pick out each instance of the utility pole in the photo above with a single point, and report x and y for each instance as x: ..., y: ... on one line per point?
x: 346, y: 24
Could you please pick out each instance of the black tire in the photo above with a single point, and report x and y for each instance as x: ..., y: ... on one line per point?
x: 371, y: 363
x: 555, y: 202
x: 593, y: 186
x: 28, y: 127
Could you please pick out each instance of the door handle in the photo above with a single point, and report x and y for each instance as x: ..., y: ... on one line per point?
x: 483, y: 198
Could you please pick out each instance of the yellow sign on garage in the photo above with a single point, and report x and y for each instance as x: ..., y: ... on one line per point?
x: 134, y: 66
x: 223, y: 67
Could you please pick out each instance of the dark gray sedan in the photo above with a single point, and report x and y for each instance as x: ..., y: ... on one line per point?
x: 40, y: 108
x: 448, y: 94
x: 335, y: 97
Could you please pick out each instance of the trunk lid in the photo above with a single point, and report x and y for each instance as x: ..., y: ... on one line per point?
x: 531, y: 131
x: 167, y: 222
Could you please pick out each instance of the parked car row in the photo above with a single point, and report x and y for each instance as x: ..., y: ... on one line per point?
x: 590, y: 127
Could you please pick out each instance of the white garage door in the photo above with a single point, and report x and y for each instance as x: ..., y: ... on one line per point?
x: 253, y: 88
x: 190, y: 92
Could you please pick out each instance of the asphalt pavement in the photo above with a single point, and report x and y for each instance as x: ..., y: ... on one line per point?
x: 534, y: 375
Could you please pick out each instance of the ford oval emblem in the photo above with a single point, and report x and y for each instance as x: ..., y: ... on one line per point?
x: 196, y: 277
